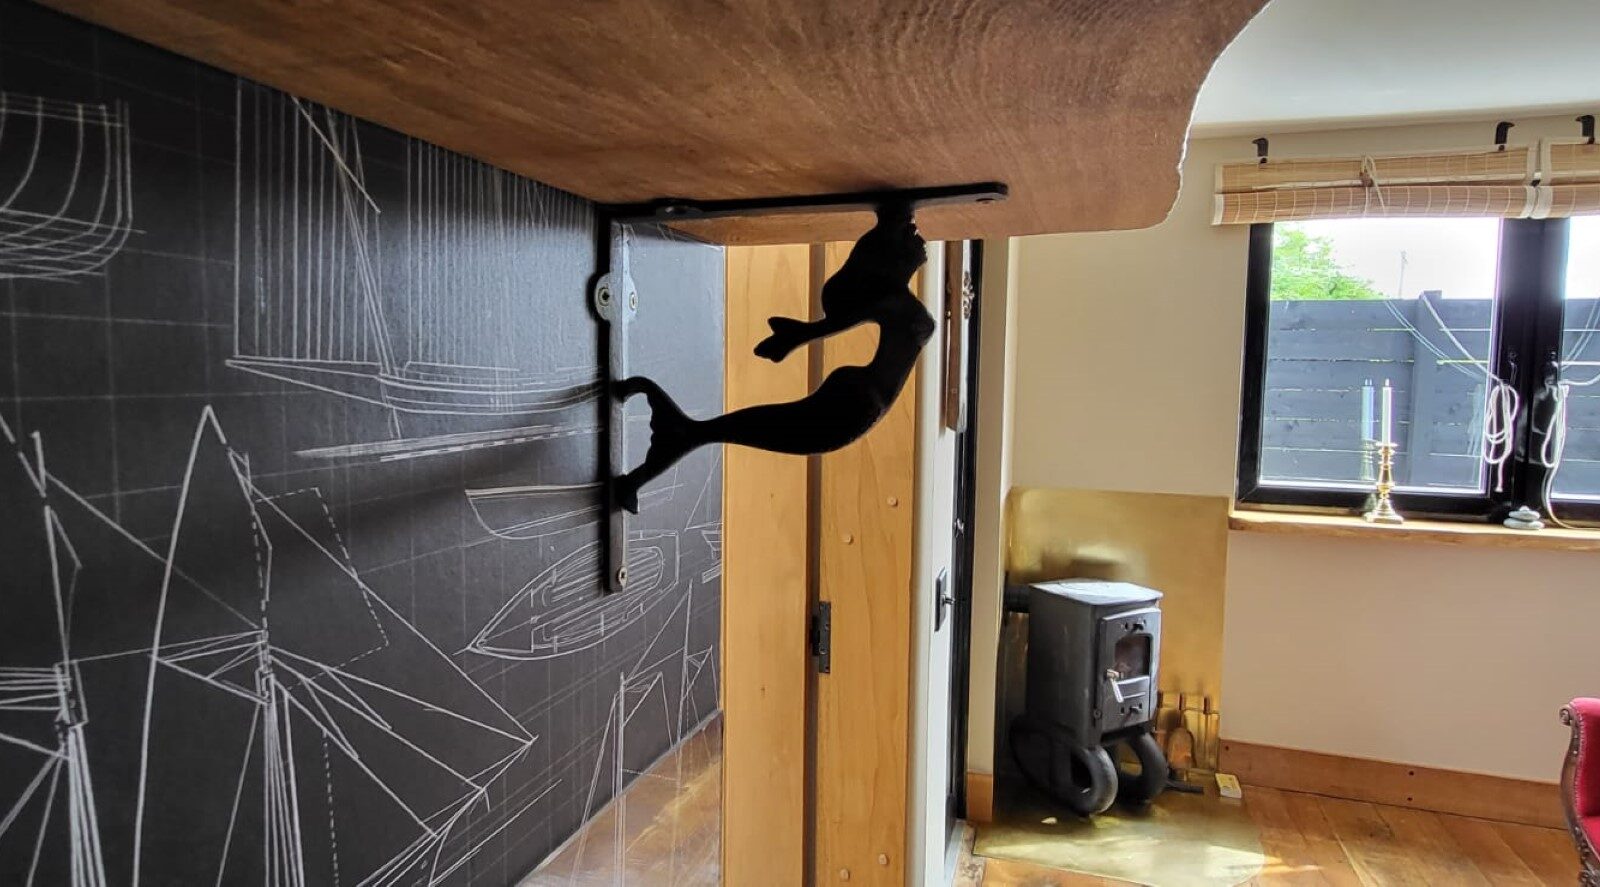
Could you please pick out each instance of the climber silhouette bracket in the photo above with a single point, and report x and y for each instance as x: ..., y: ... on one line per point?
x: 872, y: 286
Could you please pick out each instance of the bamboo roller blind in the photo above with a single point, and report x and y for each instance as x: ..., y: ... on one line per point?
x: 1559, y: 177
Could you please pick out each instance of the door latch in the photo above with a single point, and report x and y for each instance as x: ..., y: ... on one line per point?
x: 943, y: 600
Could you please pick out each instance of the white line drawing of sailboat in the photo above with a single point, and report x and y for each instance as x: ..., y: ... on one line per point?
x: 563, y: 611
x: 42, y: 707
x: 538, y: 511
x: 705, y: 517
x: 66, y: 189
x: 312, y: 665
x: 713, y: 537
x: 282, y: 701
x: 441, y: 444
x: 643, y: 719
x: 314, y: 308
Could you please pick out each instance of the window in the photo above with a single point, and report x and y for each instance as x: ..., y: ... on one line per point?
x: 1485, y: 333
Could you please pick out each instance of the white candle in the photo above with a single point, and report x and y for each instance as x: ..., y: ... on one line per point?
x: 1388, y: 413
x: 1367, y: 435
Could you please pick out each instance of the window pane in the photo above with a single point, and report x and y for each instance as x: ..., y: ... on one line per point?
x: 1360, y: 302
x: 1579, y: 473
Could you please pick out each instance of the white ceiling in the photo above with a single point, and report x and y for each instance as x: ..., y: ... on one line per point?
x: 1356, y: 61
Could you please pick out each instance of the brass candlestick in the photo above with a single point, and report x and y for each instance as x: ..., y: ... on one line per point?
x: 1383, y: 509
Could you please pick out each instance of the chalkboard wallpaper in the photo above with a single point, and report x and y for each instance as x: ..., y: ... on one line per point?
x: 299, y: 522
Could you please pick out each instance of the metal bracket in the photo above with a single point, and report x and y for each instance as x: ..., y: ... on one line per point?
x: 616, y: 301
x: 1261, y: 149
x: 679, y: 209
x: 1502, y: 132
x: 821, y: 636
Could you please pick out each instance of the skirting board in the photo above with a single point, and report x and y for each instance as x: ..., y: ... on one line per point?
x: 980, y: 797
x: 1401, y: 785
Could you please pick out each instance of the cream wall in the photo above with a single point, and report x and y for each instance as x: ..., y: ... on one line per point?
x: 1127, y: 378
x: 929, y: 727
x: 1128, y: 351
x: 1451, y: 657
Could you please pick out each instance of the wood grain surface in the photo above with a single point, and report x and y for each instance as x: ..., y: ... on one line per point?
x: 765, y: 575
x: 863, y: 705
x: 1313, y: 841
x: 1081, y: 106
x: 1402, y: 785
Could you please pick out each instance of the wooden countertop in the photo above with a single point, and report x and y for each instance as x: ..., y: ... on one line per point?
x: 1080, y: 106
x: 1477, y: 535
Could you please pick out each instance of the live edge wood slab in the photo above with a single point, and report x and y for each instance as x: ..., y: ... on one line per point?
x: 1080, y: 106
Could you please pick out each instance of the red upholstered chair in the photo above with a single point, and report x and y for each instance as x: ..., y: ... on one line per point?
x: 1580, y: 785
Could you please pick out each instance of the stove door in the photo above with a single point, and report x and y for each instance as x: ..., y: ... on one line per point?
x: 1130, y: 643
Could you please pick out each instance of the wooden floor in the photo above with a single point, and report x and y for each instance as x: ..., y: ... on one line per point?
x: 1314, y: 840
x: 665, y: 830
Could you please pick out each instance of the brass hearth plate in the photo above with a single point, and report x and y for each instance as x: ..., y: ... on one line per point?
x: 1181, y: 841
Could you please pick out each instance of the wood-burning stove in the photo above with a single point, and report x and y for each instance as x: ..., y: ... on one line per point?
x: 1093, y: 648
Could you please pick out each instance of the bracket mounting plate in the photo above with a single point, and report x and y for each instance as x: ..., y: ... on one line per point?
x: 678, y: 209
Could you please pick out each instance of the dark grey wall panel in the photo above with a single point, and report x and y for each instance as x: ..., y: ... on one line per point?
x: 299, y: 523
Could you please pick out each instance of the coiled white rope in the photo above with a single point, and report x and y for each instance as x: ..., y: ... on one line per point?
x: 1553, y: 444
x: 1501, y: 406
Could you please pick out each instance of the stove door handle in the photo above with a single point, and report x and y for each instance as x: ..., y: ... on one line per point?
x: 1114, y: 679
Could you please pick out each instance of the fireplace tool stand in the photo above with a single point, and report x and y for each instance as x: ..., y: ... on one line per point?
x: 1091, y: 688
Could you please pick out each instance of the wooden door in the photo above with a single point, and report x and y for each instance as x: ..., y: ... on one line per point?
x: 864, y: 571
x: 765, y: 587
x: 815, y: 765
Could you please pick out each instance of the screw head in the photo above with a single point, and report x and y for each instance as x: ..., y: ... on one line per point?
x: 622, y: 575
x: 844, y: 874
x: 603, y: 295
x: 883, y: 859
x: 633, y: 300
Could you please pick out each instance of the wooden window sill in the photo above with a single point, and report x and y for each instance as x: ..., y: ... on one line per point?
x: 1429, y: 532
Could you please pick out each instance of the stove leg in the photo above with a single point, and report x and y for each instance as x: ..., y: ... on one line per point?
x: 1082, y: 778
x: 1142, y: 788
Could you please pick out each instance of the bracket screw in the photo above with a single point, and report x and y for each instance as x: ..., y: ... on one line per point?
x: 633, y: 301
x: 622, y: 575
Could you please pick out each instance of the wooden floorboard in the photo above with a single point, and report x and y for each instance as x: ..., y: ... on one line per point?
x: 1480, y: 843
x: 1546, y: 852
x: 1332, y: 863
x: 1430, y: 847
x: 670, y: 836
x: 1294, y: 857
x: 1316, y: 841
x: 1377, y: 855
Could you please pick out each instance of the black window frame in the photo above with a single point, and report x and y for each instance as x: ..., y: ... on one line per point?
x: 1526, y: 348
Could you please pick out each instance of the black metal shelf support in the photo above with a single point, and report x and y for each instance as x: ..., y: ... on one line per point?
x: 616, y: 301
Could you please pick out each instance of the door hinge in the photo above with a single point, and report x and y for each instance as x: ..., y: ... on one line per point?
x: 822, y: 635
